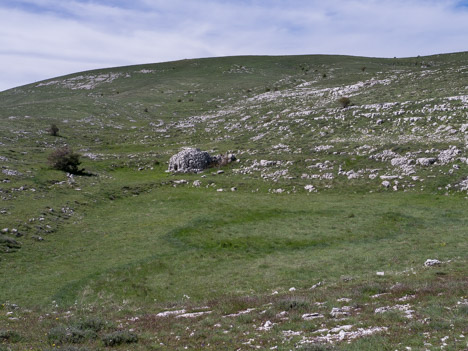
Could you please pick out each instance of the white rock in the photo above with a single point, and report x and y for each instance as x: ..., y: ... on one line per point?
x: 265, y: 163
x: 399, y: 161
x: 432, y: 262
x: 426, y: 161
x: 310, y: 316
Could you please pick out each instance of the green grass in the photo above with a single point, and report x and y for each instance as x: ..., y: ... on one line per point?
x: 165, y: 244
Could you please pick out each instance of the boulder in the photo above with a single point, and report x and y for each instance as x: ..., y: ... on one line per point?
x: 426, y: 161
x: 386, y: 184
x: 432, y: 262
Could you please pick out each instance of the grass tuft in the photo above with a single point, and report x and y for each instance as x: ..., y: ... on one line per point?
x: 119, y: 337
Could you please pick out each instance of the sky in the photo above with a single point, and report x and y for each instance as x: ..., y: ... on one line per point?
x: 41, y: 39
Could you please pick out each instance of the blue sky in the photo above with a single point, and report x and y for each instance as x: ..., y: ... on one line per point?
x: 41, y: 39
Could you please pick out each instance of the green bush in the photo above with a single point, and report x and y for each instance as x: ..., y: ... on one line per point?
x: 9, y: 336
x: 68, y: 348
x: 8, y: 244
x: 119, y: 337
x: 95, y: 324
x: 70, y: 335
x: 53, y: 130
x: 318, y: 347
x: 64, y: 159
x: 344, y: 101
x: 293, y: 303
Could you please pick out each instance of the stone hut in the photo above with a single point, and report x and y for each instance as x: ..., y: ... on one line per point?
x: 190, y: 160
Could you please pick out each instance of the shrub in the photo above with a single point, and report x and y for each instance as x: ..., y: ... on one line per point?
x: 64, y: 159
x: 8, y: 244
x: 9, y: 335
x: 94, y: 324
x: 119, y: 337
x: 69, y: 348
x: 293, y: 304
x: 53, y: 130
x: 70, y: 335
x: 344, y: 101
x: 318, y: 347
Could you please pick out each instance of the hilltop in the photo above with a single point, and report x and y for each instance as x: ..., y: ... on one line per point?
x: 350, y: 173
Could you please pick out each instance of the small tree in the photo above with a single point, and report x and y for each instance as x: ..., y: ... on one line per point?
x: 64, y: 159
x: 53, y: 130
x: 344, y: 101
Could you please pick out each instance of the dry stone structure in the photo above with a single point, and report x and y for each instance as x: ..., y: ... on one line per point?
x: 190, y: 160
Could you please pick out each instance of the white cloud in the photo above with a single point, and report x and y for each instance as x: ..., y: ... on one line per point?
x: 44, y: 38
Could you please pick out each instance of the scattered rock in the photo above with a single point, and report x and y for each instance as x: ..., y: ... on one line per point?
x: 310, y: 188
x: 170, y: 313
x: 310, y: 316
x: 406, y: 309
x: 193, y: 314
x: 340, y: 312
x: 432, y: 262
x: 386, y: 184
x: 426, y: 161
x: 448, y: 155
x: 266, y: 326
x: 265, y: 163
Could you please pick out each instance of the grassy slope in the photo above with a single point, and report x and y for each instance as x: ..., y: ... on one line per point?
x: 127, y: 239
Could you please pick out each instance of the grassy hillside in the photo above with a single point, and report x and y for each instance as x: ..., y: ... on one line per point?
x: 316, y: 238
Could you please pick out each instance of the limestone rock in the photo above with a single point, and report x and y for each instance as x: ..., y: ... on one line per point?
x: 426, y: 161
x: 386, y: 184
x: 447, y: 156
x: 432, y: 262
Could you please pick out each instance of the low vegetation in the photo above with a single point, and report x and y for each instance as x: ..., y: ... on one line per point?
x: 344, y: 101
x: 64, y: 159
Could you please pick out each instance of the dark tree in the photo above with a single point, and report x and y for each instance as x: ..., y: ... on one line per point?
x: 53, y: 130
x: 64, y: 159
x: 344, y: 102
